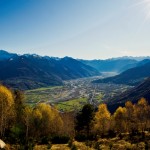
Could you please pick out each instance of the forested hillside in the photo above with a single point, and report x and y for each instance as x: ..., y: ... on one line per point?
x: 134, y: 94
x: 26, y: 127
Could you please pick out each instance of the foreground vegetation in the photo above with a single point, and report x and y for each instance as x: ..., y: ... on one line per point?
x: 42, y: 126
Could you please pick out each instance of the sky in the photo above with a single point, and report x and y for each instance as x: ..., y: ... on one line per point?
x: 87, y: 29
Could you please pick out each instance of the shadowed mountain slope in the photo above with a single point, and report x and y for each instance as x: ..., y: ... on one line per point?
x: 142, y: 90
x: 33, y: 71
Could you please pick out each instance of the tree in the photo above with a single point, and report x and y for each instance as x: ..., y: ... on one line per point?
x: 49, y: 120
x: 130, y: 117
x: 142, y: 114
x: 120, y: 120
x: 102, y: 119
x: 36, y: 123
x: 27, y: 120
x: 84, y: 119
x: 19, y: 105
x: 18, y: 129
x: 68, y: 125
x: 6, y: 103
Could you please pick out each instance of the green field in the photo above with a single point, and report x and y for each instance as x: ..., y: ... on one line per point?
x: 42, y: 94
x: 52, y: 95
x: 74, y: 104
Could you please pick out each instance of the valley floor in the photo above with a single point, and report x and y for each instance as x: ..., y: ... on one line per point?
x: 74, y: 94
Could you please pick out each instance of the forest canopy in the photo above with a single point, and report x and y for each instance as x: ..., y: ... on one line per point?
x: 43, y: 123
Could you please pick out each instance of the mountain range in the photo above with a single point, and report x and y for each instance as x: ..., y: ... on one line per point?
x: 33, y: 71
x: 30, y: 71
x: 111, y: 65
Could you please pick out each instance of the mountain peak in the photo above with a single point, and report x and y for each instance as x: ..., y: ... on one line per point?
x: 6, y: 55
x: 3, y: 52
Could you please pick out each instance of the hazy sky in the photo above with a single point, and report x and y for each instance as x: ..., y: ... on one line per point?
x: 78, y: 28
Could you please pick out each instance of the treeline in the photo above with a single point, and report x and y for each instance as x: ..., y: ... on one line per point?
x: 26, y: 125
x: 43, y: 124
x: 132, y: 119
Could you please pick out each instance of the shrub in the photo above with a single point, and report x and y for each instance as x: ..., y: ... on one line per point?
x: 49, y: 145
x: 70, y: 143
x: 104, y: 147
x: 111, y: 133
x: 7, y: 147
x: 141, y: 146
x: 81, y: 137
x: 74, y: 147
x: 97, y: 146
x: 147, y: 144
x: 60, y: 139
x: 89, y: 143
x: 45, y: 140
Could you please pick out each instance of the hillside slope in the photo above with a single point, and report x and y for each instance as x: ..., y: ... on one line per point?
x: 142, y: 90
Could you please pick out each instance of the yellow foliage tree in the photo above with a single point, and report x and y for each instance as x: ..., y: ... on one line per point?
x: 51, y: 121
x: 120, y: 120
x: 36, y: 122
x: 27, y: 115
x: 142, y: 114
x: 6, y: 103
x: 130, y: 117
x: 69, y: 124
x: 102, y: 119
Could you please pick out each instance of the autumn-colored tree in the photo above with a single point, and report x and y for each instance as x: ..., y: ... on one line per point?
x: 120, y: 120
x: 6, y: 103
x: 57, y: 122
x: 46, y: 118
x: 68, y: 125
x: 130, y: 117
x: 102, y: 119
x: 148, y: 121
x: 36, y: 123
x: 27, y: 116
x: 50, y: 120
x: 142, y: 114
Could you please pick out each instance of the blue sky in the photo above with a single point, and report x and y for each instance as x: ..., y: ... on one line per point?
x: 89, y: 29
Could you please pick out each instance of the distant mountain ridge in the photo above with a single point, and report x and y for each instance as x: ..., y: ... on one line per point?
x: 111, y: 65
x: 137, y: 58
x: 33, y: 71
x: 131, y: 76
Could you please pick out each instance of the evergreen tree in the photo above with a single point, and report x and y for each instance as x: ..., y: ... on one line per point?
x: 84, y: 119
